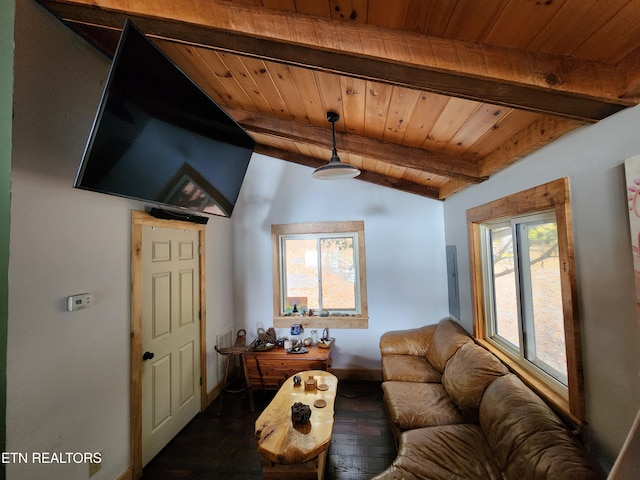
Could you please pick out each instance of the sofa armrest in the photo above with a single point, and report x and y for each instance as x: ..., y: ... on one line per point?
x: 415, y: 341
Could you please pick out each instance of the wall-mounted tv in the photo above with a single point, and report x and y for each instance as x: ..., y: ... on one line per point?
x: 159, y: 138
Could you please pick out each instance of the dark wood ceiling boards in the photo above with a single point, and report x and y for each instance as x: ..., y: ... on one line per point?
x: 433, y: 95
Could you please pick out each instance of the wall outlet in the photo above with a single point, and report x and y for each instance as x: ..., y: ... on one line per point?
x: 94, y: 467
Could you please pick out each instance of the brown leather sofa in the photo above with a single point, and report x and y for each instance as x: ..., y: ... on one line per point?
x: 457, y: 412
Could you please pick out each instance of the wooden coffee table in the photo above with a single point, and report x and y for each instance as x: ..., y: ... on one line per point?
x: 297, y: 451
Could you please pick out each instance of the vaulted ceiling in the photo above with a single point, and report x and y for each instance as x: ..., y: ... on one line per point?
x: 433, y: 95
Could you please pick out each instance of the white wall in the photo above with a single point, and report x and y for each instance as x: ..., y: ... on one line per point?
x: 68, y: 373
x: 220, y: 308
x: 592, y: 158
x: 405, y: 250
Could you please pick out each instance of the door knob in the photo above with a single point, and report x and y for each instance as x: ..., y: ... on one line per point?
x: 147, y: 356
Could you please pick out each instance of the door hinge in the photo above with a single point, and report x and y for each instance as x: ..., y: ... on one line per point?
x: 200, y: 381
x: 199, y: 249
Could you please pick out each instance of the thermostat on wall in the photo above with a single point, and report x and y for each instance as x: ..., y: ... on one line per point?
x: 78, y: 302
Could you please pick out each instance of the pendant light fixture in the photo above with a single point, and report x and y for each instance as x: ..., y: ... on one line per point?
x: 335, y: 169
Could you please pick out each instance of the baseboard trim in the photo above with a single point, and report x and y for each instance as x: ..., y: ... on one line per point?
x: 127, y: 475
x: 373, y: 375
x: 213, y: 394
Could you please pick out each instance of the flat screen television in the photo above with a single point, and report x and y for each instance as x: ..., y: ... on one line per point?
x: 159, y: 138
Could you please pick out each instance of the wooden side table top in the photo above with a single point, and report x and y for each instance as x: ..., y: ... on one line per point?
x: 278, y: 439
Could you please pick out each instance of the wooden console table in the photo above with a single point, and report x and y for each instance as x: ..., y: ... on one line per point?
x: 289, y: 451
x: 269, y: 370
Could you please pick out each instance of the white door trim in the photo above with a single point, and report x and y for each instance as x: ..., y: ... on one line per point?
x: 139, y: 220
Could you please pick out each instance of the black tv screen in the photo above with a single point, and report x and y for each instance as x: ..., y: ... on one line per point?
x: 159, y: 138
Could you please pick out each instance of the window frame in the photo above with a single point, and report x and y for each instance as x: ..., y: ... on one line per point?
x: 553, y: 196
x: 360, y: 320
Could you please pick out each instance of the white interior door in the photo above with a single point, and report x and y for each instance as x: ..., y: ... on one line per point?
x: 170, y: 335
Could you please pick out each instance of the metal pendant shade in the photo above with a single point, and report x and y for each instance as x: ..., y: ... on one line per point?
x: 335, y: 169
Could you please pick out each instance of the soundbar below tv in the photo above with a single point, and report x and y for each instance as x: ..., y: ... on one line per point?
x: 159, y: 138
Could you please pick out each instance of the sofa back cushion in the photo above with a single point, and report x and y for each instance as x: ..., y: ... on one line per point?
x: 467, y: 375
x: 447, y: 338
x: 407, y: 342
x: 528, y: 440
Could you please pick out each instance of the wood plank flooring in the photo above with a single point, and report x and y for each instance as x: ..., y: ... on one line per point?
x: 222, y: 447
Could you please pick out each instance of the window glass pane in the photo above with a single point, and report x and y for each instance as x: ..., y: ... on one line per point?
x: 301, y: 275
x: 338, y: 274
x: 547, y: 347
x: 504, y: 285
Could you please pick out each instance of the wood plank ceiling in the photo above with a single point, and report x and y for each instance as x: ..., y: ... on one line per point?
x: 433, y: 95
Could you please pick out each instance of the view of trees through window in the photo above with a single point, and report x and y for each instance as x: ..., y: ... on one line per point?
x: 527, y: 294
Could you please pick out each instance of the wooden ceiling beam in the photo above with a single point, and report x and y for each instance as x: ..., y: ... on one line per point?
x: 631, y: 64
x: 370, y: 177
x: 450, y: 187
x: 554, y: 85
x: 538, y: 134
x: 399, y: 155
x: 519, y: 145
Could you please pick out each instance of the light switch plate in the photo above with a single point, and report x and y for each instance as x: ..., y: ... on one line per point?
x: 79, y: 302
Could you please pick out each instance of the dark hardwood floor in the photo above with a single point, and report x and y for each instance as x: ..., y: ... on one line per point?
x: 222, y: 447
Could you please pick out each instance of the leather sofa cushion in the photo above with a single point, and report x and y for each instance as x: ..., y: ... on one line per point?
x: 443, y: 453
x: 447, y: 338
x: 415, y: 405
x: 528, y: 440
x: 408, y: 368
x: 415, y: 341
x: 467, y: 374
